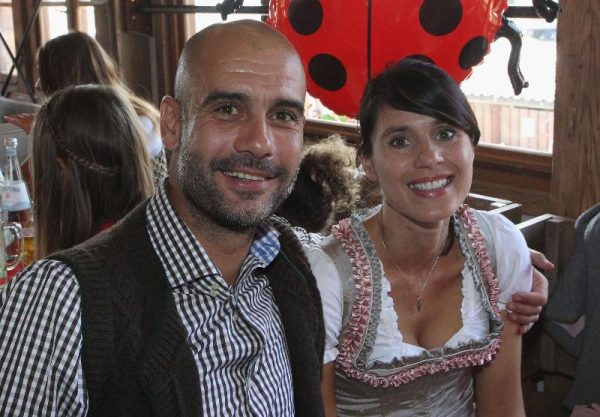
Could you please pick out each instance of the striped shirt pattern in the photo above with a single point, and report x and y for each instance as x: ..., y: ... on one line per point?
x: 235, y: 332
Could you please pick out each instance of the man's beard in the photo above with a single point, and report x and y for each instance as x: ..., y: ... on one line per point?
x: 205, y: 200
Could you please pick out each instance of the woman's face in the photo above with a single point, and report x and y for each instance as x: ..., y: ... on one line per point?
x: 424, y: 166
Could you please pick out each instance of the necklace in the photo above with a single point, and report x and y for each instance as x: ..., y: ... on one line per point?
x: 419, y: 300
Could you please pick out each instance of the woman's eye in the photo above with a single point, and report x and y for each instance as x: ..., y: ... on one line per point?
x: 446, y: 134
x: 399, y: 142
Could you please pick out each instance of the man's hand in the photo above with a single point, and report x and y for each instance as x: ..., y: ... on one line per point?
x: 526, y: 307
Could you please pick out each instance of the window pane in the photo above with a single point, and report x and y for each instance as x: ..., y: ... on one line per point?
x: 201, y: 20
x: 7, y: 29
x: 87, y: 20
x: 524, y: 121
x: 53, y: 21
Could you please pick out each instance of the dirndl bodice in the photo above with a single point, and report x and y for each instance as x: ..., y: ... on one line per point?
x: 437, y: 382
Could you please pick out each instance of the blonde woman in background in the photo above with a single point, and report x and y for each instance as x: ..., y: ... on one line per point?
x: 75, y: 59
x: 90, y: 165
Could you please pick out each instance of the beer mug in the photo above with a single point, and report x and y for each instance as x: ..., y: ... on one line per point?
x: 11, y: 233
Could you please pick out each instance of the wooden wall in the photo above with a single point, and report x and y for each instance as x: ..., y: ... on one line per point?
x: 576, y: 155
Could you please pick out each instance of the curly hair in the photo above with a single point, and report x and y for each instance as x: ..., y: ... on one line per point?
x: 325, y: 190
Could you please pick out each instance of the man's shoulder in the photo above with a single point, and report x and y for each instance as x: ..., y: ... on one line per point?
x: 46, y: 276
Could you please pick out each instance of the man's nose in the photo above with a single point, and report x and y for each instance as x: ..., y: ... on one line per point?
x: 256, y: 138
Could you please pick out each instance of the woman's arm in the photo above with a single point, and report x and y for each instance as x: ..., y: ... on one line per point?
x: 498, y: 385
x: 328, y: 389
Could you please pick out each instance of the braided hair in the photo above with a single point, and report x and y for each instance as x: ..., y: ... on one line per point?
x: 90, y: 165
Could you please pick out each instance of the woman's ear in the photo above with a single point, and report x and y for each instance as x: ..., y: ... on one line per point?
x: 170, y: 123
x: 366, y: 162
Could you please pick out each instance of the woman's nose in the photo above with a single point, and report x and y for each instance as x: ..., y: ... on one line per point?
x: 429, y: 154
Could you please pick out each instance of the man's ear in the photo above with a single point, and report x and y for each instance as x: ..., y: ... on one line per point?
x: 170, y: 123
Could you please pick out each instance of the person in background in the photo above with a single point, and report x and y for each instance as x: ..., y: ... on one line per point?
x: 90, y: 165
x: 576, y: 299
x: 75, y: 59
x: 325, y: 188
x: 415, y: 290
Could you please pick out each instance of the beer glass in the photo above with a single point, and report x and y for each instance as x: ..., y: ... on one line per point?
x: 11, y: 232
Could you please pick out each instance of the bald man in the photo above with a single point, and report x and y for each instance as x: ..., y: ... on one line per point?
x: 199, y: 302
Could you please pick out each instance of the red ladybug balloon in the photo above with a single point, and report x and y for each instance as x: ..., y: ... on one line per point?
x: 343, y: 44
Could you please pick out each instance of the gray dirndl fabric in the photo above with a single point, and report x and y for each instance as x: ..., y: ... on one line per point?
x: 445, y: 392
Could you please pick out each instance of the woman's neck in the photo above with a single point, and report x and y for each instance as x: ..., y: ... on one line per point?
x: 407, y: 242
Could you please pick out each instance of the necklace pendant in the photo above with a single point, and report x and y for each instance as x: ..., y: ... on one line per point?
x: 419, y: 305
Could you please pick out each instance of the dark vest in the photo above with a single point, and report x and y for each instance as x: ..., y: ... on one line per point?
x: 136, y: 361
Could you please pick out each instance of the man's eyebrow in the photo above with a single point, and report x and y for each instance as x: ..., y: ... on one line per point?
x: 290, y: 103
x: 224, y: 95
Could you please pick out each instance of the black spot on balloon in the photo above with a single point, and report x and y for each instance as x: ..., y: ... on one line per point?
x: 306, y: 16
x: 420, y: 57
x: 473, y: 52
x: 327, y: 72
x: 440, y: 17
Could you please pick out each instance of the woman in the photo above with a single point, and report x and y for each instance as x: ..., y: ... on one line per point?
x: 90, y: 165
x: 415, y: 290
x: 75, y: 59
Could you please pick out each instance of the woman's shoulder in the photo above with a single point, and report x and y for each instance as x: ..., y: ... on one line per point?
x: 495, y: 226
x: 507, y: 248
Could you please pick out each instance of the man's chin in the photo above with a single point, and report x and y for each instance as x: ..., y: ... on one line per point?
x: 241, y: 222
x: 232, y: 218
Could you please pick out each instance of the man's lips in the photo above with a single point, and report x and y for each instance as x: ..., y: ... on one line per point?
x: 245, y: 176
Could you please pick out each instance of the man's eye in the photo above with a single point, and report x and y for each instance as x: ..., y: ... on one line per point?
x: 228, y: 109
x: 285, y: 116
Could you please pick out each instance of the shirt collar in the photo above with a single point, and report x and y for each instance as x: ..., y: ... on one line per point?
x: 183, y: 257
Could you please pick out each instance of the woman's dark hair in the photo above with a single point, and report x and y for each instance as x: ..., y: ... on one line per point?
x: 415, y: 86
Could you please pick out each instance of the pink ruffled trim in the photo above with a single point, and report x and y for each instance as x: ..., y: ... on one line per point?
x: 350, y: 346
x: 469, y: 221
x: 363, y: 287
x: 461, y: 360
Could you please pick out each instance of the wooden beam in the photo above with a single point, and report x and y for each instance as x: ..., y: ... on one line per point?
x: 576, y: 156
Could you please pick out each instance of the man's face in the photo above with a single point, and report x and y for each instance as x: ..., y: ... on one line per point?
x: 241, y: 136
